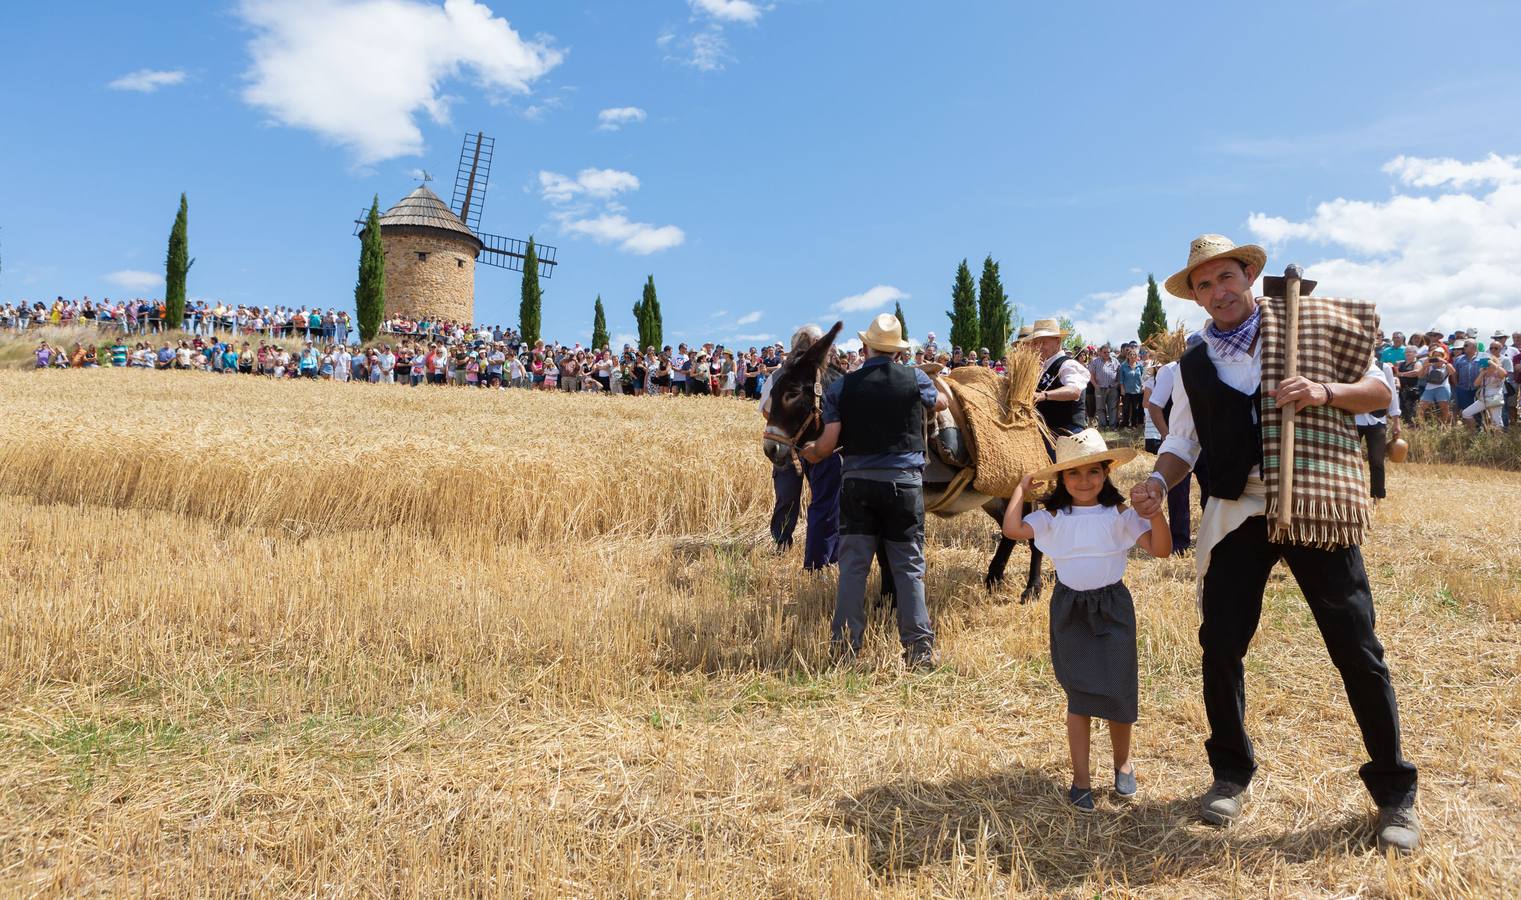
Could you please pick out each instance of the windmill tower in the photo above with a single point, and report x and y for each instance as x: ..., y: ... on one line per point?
x: 431, y: 249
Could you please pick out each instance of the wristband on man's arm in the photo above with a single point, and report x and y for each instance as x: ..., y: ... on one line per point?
x: 1162, y: 478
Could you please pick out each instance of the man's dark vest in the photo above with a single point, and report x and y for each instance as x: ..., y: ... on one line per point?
x: 1230, y: 435
x: 881, y: 411
x: 1062, y: 416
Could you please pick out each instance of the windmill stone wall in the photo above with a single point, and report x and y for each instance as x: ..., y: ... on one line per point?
x: 429, y: 275
x: 430, y: 260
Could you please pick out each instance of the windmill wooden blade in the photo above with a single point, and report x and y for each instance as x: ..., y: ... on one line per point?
x: 470, y: 180
x: 508, y: 253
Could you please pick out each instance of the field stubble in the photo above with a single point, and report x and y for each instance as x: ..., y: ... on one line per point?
x: 370, y: 641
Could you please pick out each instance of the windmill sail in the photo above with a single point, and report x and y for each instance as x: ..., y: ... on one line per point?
x: 508, y: 253
x: 470, y: 180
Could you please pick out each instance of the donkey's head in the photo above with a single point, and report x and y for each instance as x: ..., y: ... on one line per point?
x: 797, y: 396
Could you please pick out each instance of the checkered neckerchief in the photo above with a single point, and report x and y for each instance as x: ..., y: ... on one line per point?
x: 1236, y: 343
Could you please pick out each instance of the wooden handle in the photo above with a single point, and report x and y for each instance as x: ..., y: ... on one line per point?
x: 1291, y: 277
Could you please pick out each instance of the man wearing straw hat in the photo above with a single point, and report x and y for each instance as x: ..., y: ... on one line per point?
x: 1059, y: 392
x: 1234, y: 389
x: 876, y: 416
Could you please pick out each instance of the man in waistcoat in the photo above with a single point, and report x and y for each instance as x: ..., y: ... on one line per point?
x: 1229, y: 412
x: 1059, y: 392
x: 876, y: 416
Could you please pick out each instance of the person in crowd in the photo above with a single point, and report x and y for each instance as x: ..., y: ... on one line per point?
x: 1130, y: 373
x: 1087, y: 533
x: 1104, y: 372
x: 1465, y: 372
x: 1376, y: 428
x: 1436, y: 377
x: 1489, y: 394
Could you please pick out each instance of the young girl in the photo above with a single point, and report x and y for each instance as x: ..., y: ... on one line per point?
x: 1086, y: 531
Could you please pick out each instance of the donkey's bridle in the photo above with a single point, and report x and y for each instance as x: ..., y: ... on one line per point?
x: 814, y: 419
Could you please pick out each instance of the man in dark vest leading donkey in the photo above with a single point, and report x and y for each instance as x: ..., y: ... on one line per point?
x: 1229, y: 412
x: 876, y: 416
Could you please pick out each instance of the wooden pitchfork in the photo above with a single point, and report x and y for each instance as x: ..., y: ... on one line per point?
x: 1289, y: 287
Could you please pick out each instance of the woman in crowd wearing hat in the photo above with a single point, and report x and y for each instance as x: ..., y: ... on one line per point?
x: 1087, y: 532
x: 1234, y: 387
x: 1436, y: 376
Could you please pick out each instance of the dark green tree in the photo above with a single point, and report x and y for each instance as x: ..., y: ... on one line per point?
x: 1073, y: 342
x: 993, y: 313
x: 1153, y: 317
x: 647, y: 317
x: 599, y: 325
x: 902, y: 322
x: 370, y: 289
x: 530, y: 306
x: 963, y: 312
x: 177, y: 266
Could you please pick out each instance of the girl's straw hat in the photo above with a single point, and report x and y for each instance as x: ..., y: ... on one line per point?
x: 1081, y: 449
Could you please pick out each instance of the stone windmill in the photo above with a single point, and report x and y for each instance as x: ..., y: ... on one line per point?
x: 431, y: 249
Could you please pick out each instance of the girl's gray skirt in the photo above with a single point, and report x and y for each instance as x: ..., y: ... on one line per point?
x: 1093, y: 651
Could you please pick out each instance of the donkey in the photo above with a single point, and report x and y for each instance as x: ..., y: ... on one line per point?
x: 796, y: 417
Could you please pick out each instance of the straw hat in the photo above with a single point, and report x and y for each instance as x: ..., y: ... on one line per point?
x: 1207, y: 247
x: 1043, y: 328
x: 885, y: 334
x: 1024, y: 332
x: 1081, y: 449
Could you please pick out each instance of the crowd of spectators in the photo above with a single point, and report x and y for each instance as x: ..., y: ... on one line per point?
x: 1441, y: 376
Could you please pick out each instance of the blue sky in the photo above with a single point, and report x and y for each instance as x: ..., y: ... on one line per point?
x: 775, y: 163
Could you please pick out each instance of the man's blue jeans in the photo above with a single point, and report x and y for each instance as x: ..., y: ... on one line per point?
x: 821, y: 546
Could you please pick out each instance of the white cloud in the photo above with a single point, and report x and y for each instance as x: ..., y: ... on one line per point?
x: 599, y: 183
x: 135, y: 280
x: 640, y: 238
x: 356, y: 72
x: 872, y: 299
x: 1450, y: 259
x: 1115, y: 316
x: 743, y: 11
x: 749, y: 318
x: 624, y: 337
x: 610, y: 225
x: 616, y: 117
x: 148, y: 80
x: 847, y: 346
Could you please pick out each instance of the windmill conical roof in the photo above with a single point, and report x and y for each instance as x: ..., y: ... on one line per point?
x: 422, y: 208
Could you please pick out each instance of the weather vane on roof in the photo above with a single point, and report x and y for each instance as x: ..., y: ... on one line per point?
x: 426, y: 175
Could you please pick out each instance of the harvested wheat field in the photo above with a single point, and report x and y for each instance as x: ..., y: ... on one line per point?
x: 341, y: 640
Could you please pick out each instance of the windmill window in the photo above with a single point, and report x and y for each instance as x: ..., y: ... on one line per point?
x: 421, y: 256
x: 460, y: 263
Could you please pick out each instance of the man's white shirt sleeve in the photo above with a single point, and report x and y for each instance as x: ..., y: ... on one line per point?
x: 1073, y: 374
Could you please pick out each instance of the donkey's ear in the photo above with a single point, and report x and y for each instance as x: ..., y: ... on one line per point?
x: 816, y: 354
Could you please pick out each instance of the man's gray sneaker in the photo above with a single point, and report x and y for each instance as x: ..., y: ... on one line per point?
x: 1398, y: 829
x: 1124, y: 784
x: 920, y: 657
x: 1223, y: 803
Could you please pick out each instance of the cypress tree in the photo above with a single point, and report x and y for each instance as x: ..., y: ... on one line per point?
x: 652, y: 319
x: 963, y: 312
x: 370, y: 289
x: 177, y: 266
x: 599, y: 325
x: 902, y: 323
x: 1153, y: 317
x: 530, y: 306
x: 993, y: 312
x: 641, y: 324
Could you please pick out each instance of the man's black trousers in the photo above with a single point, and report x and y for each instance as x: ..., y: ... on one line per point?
x: 1376, y: 436
x: 1335, y: 585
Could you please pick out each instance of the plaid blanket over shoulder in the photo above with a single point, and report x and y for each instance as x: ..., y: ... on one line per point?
x: 1337, y: 338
